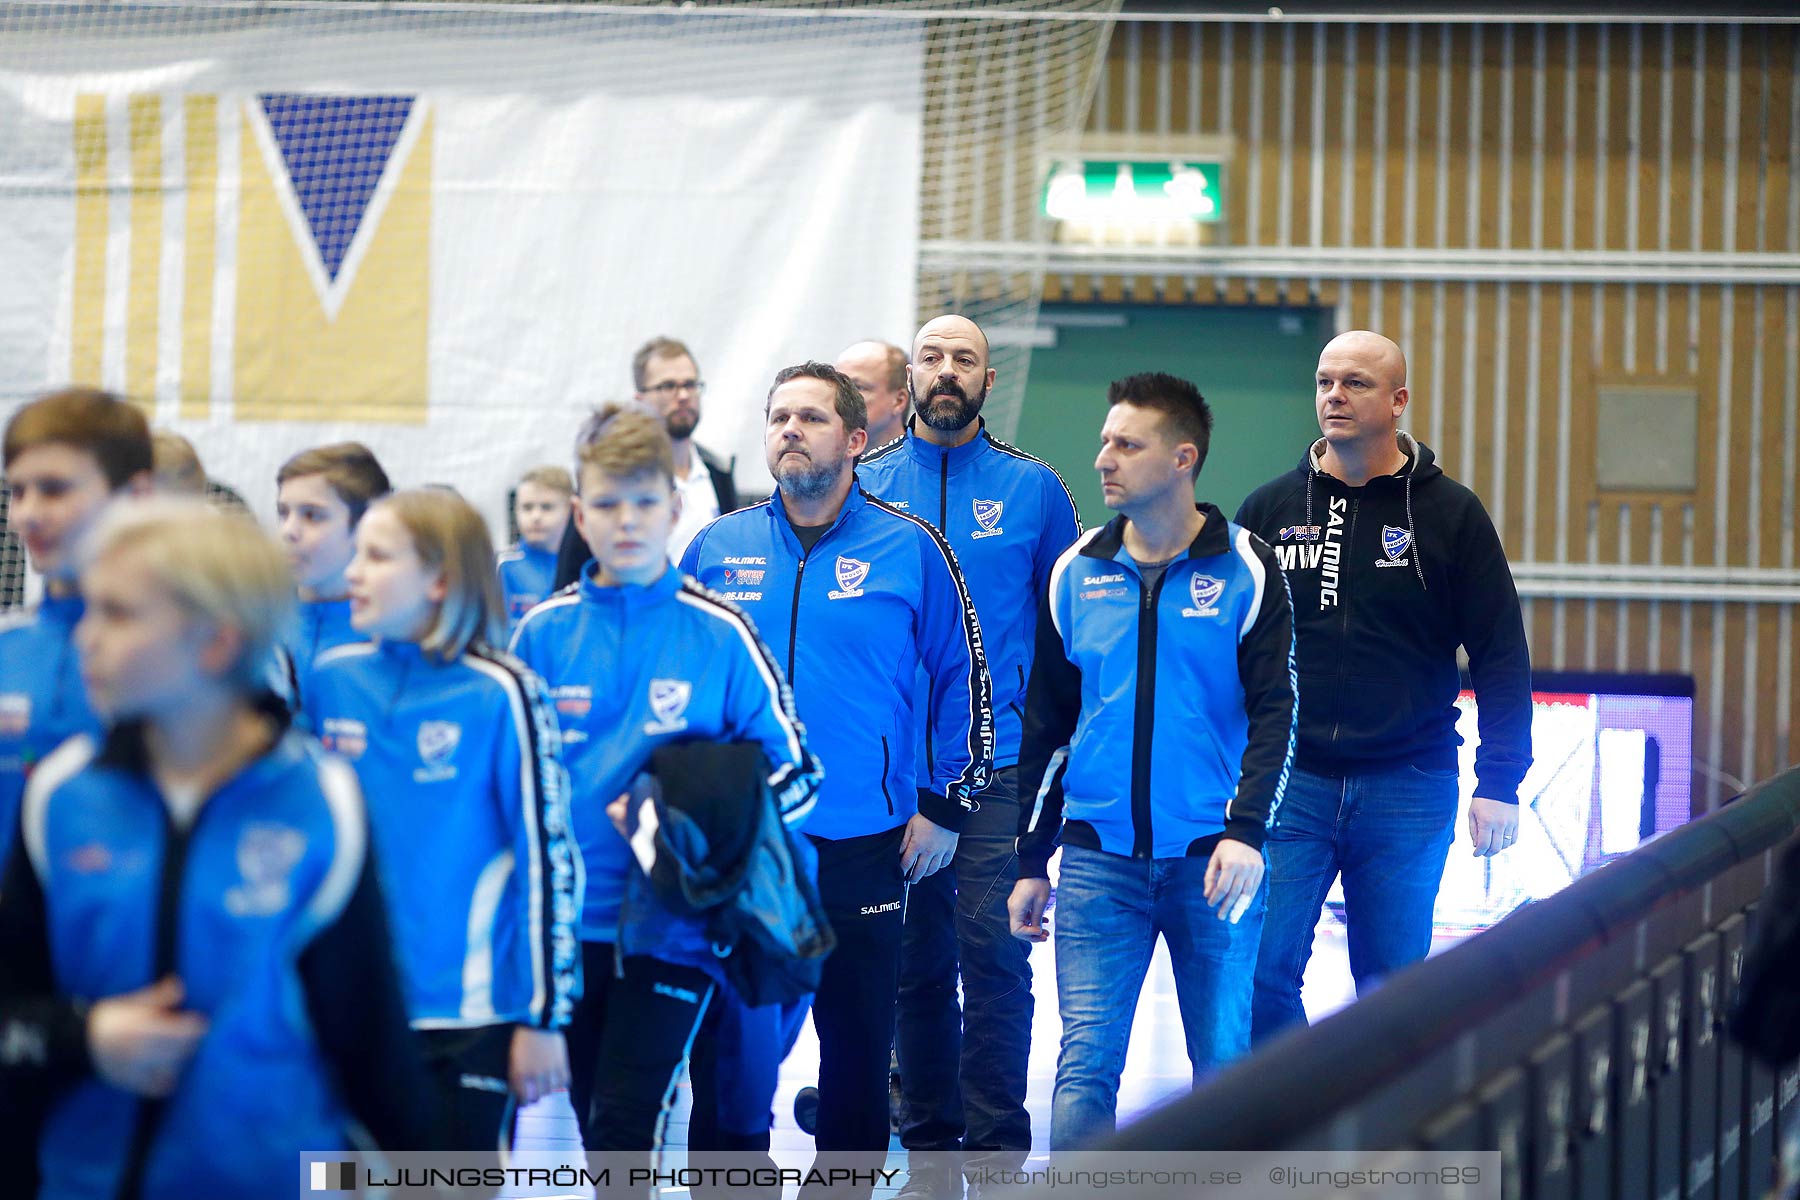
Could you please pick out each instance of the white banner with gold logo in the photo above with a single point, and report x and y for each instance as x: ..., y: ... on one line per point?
x: 444, y: 232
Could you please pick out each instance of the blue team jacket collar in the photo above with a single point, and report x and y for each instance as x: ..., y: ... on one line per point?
x: 926, y: 454
x: 784, y: 526
x: 61, y: 610
x: 627, y: 595
x: 410, y: 653
x: 1213, y: 538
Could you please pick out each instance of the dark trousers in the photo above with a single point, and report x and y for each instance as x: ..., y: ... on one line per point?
x: 627, y: 1039
x: 469, y: 1067
x: 859, y: 885
x: 963, y: 1072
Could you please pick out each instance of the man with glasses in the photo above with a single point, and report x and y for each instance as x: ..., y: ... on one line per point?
x: 669, y: 383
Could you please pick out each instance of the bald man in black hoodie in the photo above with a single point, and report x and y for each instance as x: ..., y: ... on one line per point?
x: 1392, y: 565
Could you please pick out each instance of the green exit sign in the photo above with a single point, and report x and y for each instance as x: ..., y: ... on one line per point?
x: 1133, y: 190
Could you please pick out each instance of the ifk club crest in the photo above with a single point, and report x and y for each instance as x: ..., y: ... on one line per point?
x: 1204, y: 591
x: 850, y: 575
x: 987, y: 515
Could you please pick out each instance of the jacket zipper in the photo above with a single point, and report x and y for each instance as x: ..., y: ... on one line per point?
x: 1142, y: 845
x: 943, y: 528
x: 1015, y: 706
x: 885, y: 794
x: 1344, y: 608
x: 150, y: 1113
x: 794, y: 616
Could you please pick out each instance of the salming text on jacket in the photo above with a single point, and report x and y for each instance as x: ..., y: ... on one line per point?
x: 267, y: 908
x: 461, y: 767
x: 633, y: 668
x: 853, y: 620
x: 42, y: 702
x: 1175, y: 702
x: 1008, y: 516
x: 527, y: 578
x: 1387, y: 580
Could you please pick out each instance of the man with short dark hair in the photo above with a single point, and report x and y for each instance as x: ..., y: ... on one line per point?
x: 1008, y: 516
x: 1393, y: 565
x: 1158, y: 729
x: 856, y: 599
x: 878, y: 369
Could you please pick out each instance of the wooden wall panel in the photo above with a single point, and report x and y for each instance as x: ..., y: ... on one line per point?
x: 1619, y: 138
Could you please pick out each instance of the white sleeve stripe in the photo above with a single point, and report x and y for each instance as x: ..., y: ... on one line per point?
x: 347, y: 650
x: 765, y: 670
x: 562, y: 599
x: 1259, y: 577
x: 343, y: 797
x: 528, y: 802
x: 1063, y: 562
x: 61, y: 765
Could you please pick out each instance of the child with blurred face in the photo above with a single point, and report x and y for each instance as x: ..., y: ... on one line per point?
x: 198, y: 780
x: 458, y: 751
x: 541, y: 511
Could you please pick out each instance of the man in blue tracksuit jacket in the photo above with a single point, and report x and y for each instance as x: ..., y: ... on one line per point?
x: 856, y: 598
x: 637, y: 657
x: 67, y: 456
x: 267, y: 908
x: 1009, y: 516
x: 1159, y: 728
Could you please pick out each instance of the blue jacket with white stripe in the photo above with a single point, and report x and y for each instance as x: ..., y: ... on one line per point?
x: 318, y: 626
x: 264, y: 903
x: 42, y: 701
x: 883, y: 599
x: 1192, y: 678
x: 527, y: 578
x: 461, y: 765
x: 631, y: 668
x: 1008, y: 516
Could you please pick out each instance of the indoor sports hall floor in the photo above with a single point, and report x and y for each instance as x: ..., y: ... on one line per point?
x: 1156, y: 1067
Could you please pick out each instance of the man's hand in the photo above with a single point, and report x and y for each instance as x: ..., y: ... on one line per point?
x: 140, y: 1042
x: 925, y: 848
x: 537, y: 1064
x: 1493, y: 825
x: 1025, y: 909
x: 1232, y: 877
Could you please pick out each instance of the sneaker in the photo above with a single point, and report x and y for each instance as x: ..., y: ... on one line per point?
x: 806, y: 1110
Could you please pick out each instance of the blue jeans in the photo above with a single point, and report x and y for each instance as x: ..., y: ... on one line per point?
x: 963, y: 1072
x: 1109, y: 910
x: 1388, y: 832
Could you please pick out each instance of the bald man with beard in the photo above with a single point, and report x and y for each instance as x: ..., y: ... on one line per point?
x: 1392, y: 566
x: 1008, y: 516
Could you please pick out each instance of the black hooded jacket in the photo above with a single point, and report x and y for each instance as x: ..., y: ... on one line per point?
x: 1387, y: 580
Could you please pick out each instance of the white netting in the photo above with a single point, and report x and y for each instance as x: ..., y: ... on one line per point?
x: 442, y: 228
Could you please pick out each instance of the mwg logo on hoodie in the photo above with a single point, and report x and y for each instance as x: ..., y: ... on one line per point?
x: 1333, y: 551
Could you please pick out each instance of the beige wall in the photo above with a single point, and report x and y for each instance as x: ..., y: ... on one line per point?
x: 1574, y: 205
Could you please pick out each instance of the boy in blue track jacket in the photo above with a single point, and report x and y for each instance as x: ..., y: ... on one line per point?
x: 198, y: 981
x: 1009, y: 516
x: 68, y: 455
x: 637, y: 656
x: 528, y: 570
x: 458, y: 755
x: 856, y: 598
x: 1159, y: 727
x: 321, y: 494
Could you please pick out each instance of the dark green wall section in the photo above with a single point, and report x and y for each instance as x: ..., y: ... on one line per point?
x: 1253, y: 365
